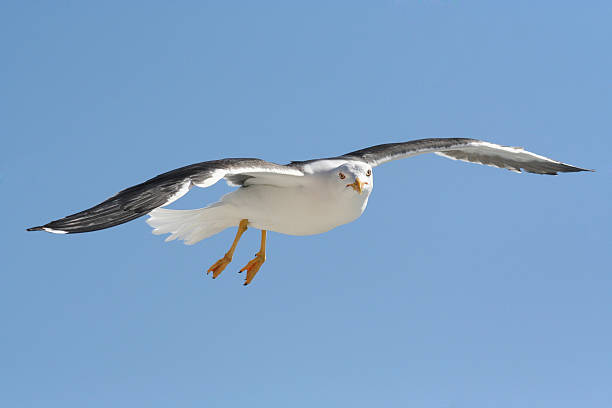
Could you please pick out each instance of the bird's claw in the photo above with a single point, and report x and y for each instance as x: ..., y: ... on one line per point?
x: 253, y: 267
x: 219, y: 266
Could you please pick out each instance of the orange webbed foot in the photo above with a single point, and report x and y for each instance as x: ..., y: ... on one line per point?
x: 253, y: 267
x: 219, y: 266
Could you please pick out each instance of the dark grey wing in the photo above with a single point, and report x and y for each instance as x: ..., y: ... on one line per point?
x: 136, y: 201
x: 469, y: 150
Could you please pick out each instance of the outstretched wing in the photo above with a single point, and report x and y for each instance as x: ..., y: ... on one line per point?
x: 136, y: 201
x: 469, y: 150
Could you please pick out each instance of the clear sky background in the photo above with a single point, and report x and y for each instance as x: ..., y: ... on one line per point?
x: 460, y: 286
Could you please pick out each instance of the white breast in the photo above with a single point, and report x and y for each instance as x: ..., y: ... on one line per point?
x: 300, y: 210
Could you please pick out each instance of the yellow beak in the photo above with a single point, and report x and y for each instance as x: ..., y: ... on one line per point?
x: 357, y: 185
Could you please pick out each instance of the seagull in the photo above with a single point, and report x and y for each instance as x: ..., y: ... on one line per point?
x: 300, y: 198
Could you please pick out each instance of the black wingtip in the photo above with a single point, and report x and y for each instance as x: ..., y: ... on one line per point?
x: 35, y: 228
x: 577, y: 169
x: 572, y: 169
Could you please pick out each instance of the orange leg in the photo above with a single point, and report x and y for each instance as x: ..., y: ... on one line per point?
x: 220, y: 265
x: 253, y: 266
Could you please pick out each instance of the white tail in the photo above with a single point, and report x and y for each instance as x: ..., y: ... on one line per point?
x: 191, y: 225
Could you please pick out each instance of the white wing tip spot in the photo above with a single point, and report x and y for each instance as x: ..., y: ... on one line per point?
x: 55, y: 231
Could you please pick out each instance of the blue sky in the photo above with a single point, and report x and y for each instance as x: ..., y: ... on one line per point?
x: 460, y: 286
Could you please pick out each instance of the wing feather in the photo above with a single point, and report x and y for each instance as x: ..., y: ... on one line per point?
x: 138, y: 200
x: 469, y: 150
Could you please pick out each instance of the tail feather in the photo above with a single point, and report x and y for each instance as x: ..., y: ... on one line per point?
x: 190, y: 225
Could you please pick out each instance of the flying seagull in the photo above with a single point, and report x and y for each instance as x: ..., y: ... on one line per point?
x: 300, y: 198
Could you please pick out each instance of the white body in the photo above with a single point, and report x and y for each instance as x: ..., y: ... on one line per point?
x: 299, y: 210
x: 311, y: 204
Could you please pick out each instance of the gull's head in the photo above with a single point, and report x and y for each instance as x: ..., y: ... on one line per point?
x: 355, y: 177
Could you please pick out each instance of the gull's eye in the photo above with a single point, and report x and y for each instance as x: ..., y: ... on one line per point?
x: 342, y: 176
x: 369, y: 173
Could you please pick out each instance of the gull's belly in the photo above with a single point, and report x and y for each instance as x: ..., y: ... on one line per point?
x: 295, y: 210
